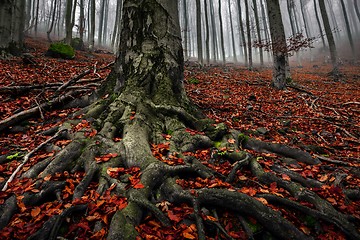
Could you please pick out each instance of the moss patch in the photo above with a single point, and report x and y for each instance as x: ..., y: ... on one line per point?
x: 61, y: 50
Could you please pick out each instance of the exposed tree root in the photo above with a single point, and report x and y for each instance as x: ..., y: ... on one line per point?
x: 136, y: 124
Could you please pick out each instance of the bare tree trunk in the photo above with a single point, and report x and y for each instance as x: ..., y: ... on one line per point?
x: 319, y: 24
x: 52, y: 21
x: 36, y: 19
x: 279, y: 47
x: 101, y: 22
x: 232, y: 34
x: 106, y: 16
x: 92, y: 27
x: 248, y: 29
x: 242, y: 32
x: 198, y: 33
x: 207, y: 36
x: 214, y: 42
x: 329, y: 36
x: 68, y: 21
x: 258, y: 31
x: 307, y: 30
x: 116, y: 24
x: 357, y: 9
x: 348, y: 30
x: 82, y: 20
x: 221, y: 35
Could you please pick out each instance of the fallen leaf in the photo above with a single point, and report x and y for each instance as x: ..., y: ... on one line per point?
x: 35, y: 212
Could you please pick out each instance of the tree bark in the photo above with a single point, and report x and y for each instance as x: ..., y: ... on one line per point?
x: 221, y: 35
x: 348, y: 30
x: 248, y: 32
x: 242, y: 32
x: 198, y: 33
x: 329, y: 36
x: 279, y: 47
x: 68, y: 21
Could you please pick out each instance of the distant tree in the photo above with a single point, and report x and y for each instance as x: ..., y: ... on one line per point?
x: 221, y: 35
x: 329, y: 36
x: 257, y: 22
x: 207, y: 36
x: 319, y: 24
x: 242, y: 32
x: 198, y: 33
x: 214, y: 41
x: 92, y: 25
x: 81, y: 20
x: 279, y: 47
x: 52, y: 20
x: 68, y: 21
x: 232, y: 33
x: 357, y: 9
x: 248, y: 32
x: 348, y: 30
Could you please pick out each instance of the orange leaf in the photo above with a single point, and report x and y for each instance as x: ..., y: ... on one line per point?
x: 188, y: 235
x: 232, y: 141
x: 35, y: 212
x: 138, y: 185
x: 285, y: 177
x: 173, y: 217
x: 211, y: 218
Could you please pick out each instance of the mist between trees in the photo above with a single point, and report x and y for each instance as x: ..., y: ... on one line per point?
x: 213, y: 30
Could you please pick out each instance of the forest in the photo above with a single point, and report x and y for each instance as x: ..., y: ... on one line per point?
x: 179, y: 119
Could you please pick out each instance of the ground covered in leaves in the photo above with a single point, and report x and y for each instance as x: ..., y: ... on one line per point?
x: 318, y: 115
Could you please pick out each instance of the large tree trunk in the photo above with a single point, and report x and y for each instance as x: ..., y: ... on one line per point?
x: 5, y: 25
x: 12, y: 26
x: 142, y: 99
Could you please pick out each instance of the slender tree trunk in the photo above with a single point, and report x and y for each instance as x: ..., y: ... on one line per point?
x: 52, y: 21
x: 329, y: 36
x: 336, y: 28
x: 213, y: 32
x: 291, y: 18
x: 319, y: 24
x: 348, y: 30
x: 68, y: 21
x: 92, y: 27
x: 116, y: 24
x: 36, y: 17
x: 221, y: 35
x: 278, y: 44
x: 248, y: 29
x: 357, y: 9
x: 207, y: 36
x: 258, y: 31
x: 186, y: 29
x: 303, y: 13
x: 101, y: 22
x: 198, y: 33
x: 232, y: 34
x: 82, y: 20
x: 106, y: 17
x: 242, y: 32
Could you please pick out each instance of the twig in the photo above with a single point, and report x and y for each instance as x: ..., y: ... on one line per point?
x: 27, y: 156
x: 73, y: 80
x: 348, y: 103
x: 331, y: 160
x: 34, y: 110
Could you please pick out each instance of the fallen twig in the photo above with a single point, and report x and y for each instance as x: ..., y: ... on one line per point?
x: 34, y: 110
x: 27, y: 156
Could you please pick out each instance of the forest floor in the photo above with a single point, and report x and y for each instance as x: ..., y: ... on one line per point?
x: 319, y: 115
